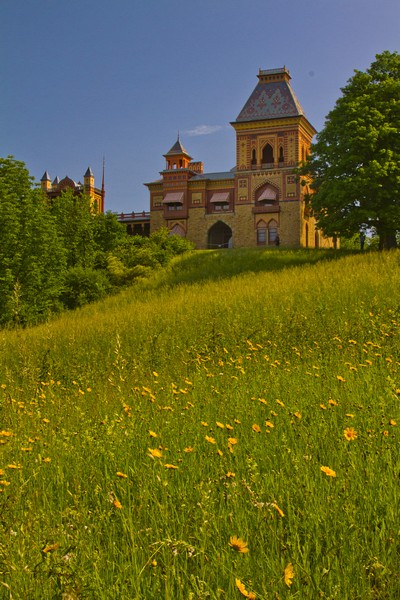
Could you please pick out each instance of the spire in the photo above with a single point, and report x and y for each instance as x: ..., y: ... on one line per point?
x: 103, y: 193
x: 46, y: 176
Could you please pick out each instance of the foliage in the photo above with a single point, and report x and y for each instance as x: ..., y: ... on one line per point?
x: 232, y: 438
x: 83, y: 285
x: 355, y: 163
x: 32, y: 259
x: 62, y: 254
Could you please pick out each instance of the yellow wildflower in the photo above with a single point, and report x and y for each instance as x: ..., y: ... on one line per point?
x: 340, y: 378
x: 350, y: 434
x: 269, y: 424
x: 210, y: 439
x: 230, y: 474
x: 152, y: 434
x: 220, y: 425
x: 122, y: 475
x: 204, y: 424
x: 50, y: 548
x: 392, y: 422
x: 256, y: 428
x: 297, y: 414
x: 117, y: 503
x: 328, y: 471
x: 188, y: 449
x: 14, y: 466
x: 238, y: 544
x: 168, y: 466
x: 289, y: 574
x: 241, y: 587
x: 229, y: 427
x: 232, y: 441
x: 155, y: 452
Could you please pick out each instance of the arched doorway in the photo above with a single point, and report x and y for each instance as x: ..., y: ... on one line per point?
x: 219, y: 236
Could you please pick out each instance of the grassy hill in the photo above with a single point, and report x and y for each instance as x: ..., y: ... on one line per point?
x: 239, y: 400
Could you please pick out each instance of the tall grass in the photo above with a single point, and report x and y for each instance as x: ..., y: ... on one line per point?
x: 140, y: 434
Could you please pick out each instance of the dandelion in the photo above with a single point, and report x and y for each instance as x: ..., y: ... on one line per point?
x: 237, y: 421
x: 168, y: 466
x: 392, y: 422
x: 46, y: 459
x: 14, y: 466
x: 350, y: 434
x: 46, y: 420
x: 210, y: 439
x: 230, y: 475
x: 220, y: 425
x: 332, y: 402
x: 122, y: 475
x: 220, y: 453
x: 204, y: 424
x: 289, y: 574
x: 297, y: 415
x: 188, y: 449
x: 238, y: 544
x: 5, y: 483
x: 6, y: 433
x: 269, y: 424
x: 280, y: 402
x: 152, y: 434
x: 117, y: 503
x: 26, y: 449
x: 322, y: 406
x: 279, y: 510
x: 340, y: 378
x: 329, y: 472
x: 232, y: 441
x: 256, y: 428
x: 229, y: 427
x: 155, y: 452
x: 385, y: 433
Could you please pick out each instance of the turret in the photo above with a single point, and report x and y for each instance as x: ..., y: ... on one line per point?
x: 46, y: 182
x: 88, y: 181
x: 177, y: 157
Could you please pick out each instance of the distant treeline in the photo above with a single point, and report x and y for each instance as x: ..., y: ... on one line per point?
x: 61, y: 254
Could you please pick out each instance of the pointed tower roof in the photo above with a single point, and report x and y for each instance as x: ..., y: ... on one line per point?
x: 89, y: 173
x: 56, y: 180
x: 177, y: 149
x: 46, y: 177
x: 272, y: 98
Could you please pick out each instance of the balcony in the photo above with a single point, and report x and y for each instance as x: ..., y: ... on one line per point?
x: 269, y: 207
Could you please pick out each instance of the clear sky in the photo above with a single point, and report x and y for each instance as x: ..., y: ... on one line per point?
x: 83, y: 79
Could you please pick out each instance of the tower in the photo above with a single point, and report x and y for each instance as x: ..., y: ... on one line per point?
x: 88, y: 182
x: 45, y: 182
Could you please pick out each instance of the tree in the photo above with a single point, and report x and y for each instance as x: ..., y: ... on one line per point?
x: 32, y: 259
x: 353, y: 172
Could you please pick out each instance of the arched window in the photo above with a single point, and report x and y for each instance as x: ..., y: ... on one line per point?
x: 281, y: 157
x: 267, y: 155
x: 261, y: 233
x: 272, y: 232
x: 253, y: 157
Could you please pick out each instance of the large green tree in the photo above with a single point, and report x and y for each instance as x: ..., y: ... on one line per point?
x: 353, y: 172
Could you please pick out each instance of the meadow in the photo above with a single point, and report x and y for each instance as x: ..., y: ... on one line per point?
x: 227, y: 428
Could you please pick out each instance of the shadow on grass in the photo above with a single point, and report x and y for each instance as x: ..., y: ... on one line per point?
x: 209, y: 265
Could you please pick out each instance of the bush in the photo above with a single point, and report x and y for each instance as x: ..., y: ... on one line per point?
x: 84, y: 285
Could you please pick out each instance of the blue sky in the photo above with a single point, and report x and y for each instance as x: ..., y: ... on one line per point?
x: 83, y: 79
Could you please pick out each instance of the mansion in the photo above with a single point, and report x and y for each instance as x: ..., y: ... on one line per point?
x: 259, y: 202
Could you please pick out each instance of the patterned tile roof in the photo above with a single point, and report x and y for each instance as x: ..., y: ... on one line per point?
x: 177, y: 148
x: 271, y: 100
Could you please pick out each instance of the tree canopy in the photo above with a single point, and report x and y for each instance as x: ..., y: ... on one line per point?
x: 353, y: 172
